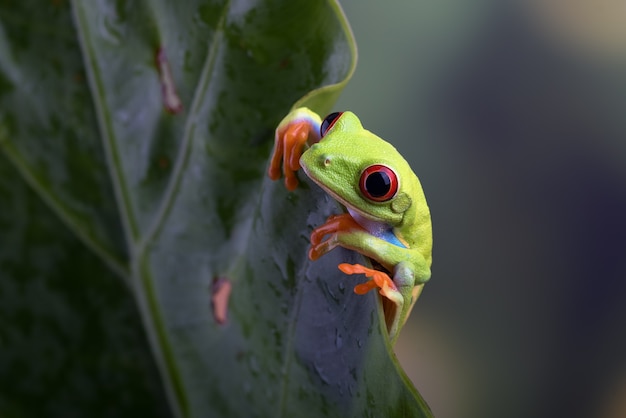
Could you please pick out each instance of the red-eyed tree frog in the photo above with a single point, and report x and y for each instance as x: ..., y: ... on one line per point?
x: 387, y: 217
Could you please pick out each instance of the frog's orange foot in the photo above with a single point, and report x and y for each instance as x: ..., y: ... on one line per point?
x: 334, y: 225
x: 288, y: 148
x: 378, y: 279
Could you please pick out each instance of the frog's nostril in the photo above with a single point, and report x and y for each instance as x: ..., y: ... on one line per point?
x: 325, y: 160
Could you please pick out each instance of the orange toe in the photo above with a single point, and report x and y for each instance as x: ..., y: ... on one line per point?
x: 363, y: 288
x: 288, y: 147
x: 378, y: 279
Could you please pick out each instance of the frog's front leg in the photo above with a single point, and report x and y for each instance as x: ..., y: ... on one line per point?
x: 299, y: 128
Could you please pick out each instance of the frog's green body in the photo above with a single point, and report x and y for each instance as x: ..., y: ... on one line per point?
x: 388, y: 219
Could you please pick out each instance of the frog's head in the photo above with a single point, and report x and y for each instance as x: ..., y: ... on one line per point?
x: 360, y: 170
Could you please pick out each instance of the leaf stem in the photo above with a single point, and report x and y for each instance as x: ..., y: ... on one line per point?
x: 105, y: 124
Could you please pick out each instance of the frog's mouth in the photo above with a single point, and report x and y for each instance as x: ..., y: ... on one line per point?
x: 336, y: 196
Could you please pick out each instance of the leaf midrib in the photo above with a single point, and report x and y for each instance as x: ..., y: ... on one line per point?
x: 105, y: 126
x: 142, y: 281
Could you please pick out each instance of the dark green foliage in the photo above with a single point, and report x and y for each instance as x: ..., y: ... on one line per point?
x: 119, y: 209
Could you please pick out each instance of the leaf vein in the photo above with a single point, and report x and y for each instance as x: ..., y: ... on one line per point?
x: 182, y: 159
x: 108, y: 258
x: 105, y: 125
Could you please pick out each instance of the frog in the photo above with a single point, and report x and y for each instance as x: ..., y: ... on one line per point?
x: 386, y: 218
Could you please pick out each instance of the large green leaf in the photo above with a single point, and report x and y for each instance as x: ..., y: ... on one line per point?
x: 120, y: 209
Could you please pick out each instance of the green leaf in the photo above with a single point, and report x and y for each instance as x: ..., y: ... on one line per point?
x: 134, y: 139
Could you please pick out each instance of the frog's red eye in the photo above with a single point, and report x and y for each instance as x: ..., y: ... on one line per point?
x: 378, y: 183
x: 328, y: 123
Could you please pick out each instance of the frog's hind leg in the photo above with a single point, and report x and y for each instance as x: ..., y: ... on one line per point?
x: 393, y: 301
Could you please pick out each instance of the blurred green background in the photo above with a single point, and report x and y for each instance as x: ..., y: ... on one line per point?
x: 513, y: 115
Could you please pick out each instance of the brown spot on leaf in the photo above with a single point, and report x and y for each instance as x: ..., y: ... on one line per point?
x: 171, y: 101
x: 220, y: 293
x: 284, y: 64
x: 163, y: 163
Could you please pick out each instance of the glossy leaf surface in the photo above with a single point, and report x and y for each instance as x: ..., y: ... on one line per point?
x: 134, y: 139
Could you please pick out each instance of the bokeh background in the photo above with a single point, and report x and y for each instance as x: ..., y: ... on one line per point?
x: 513, y: 114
